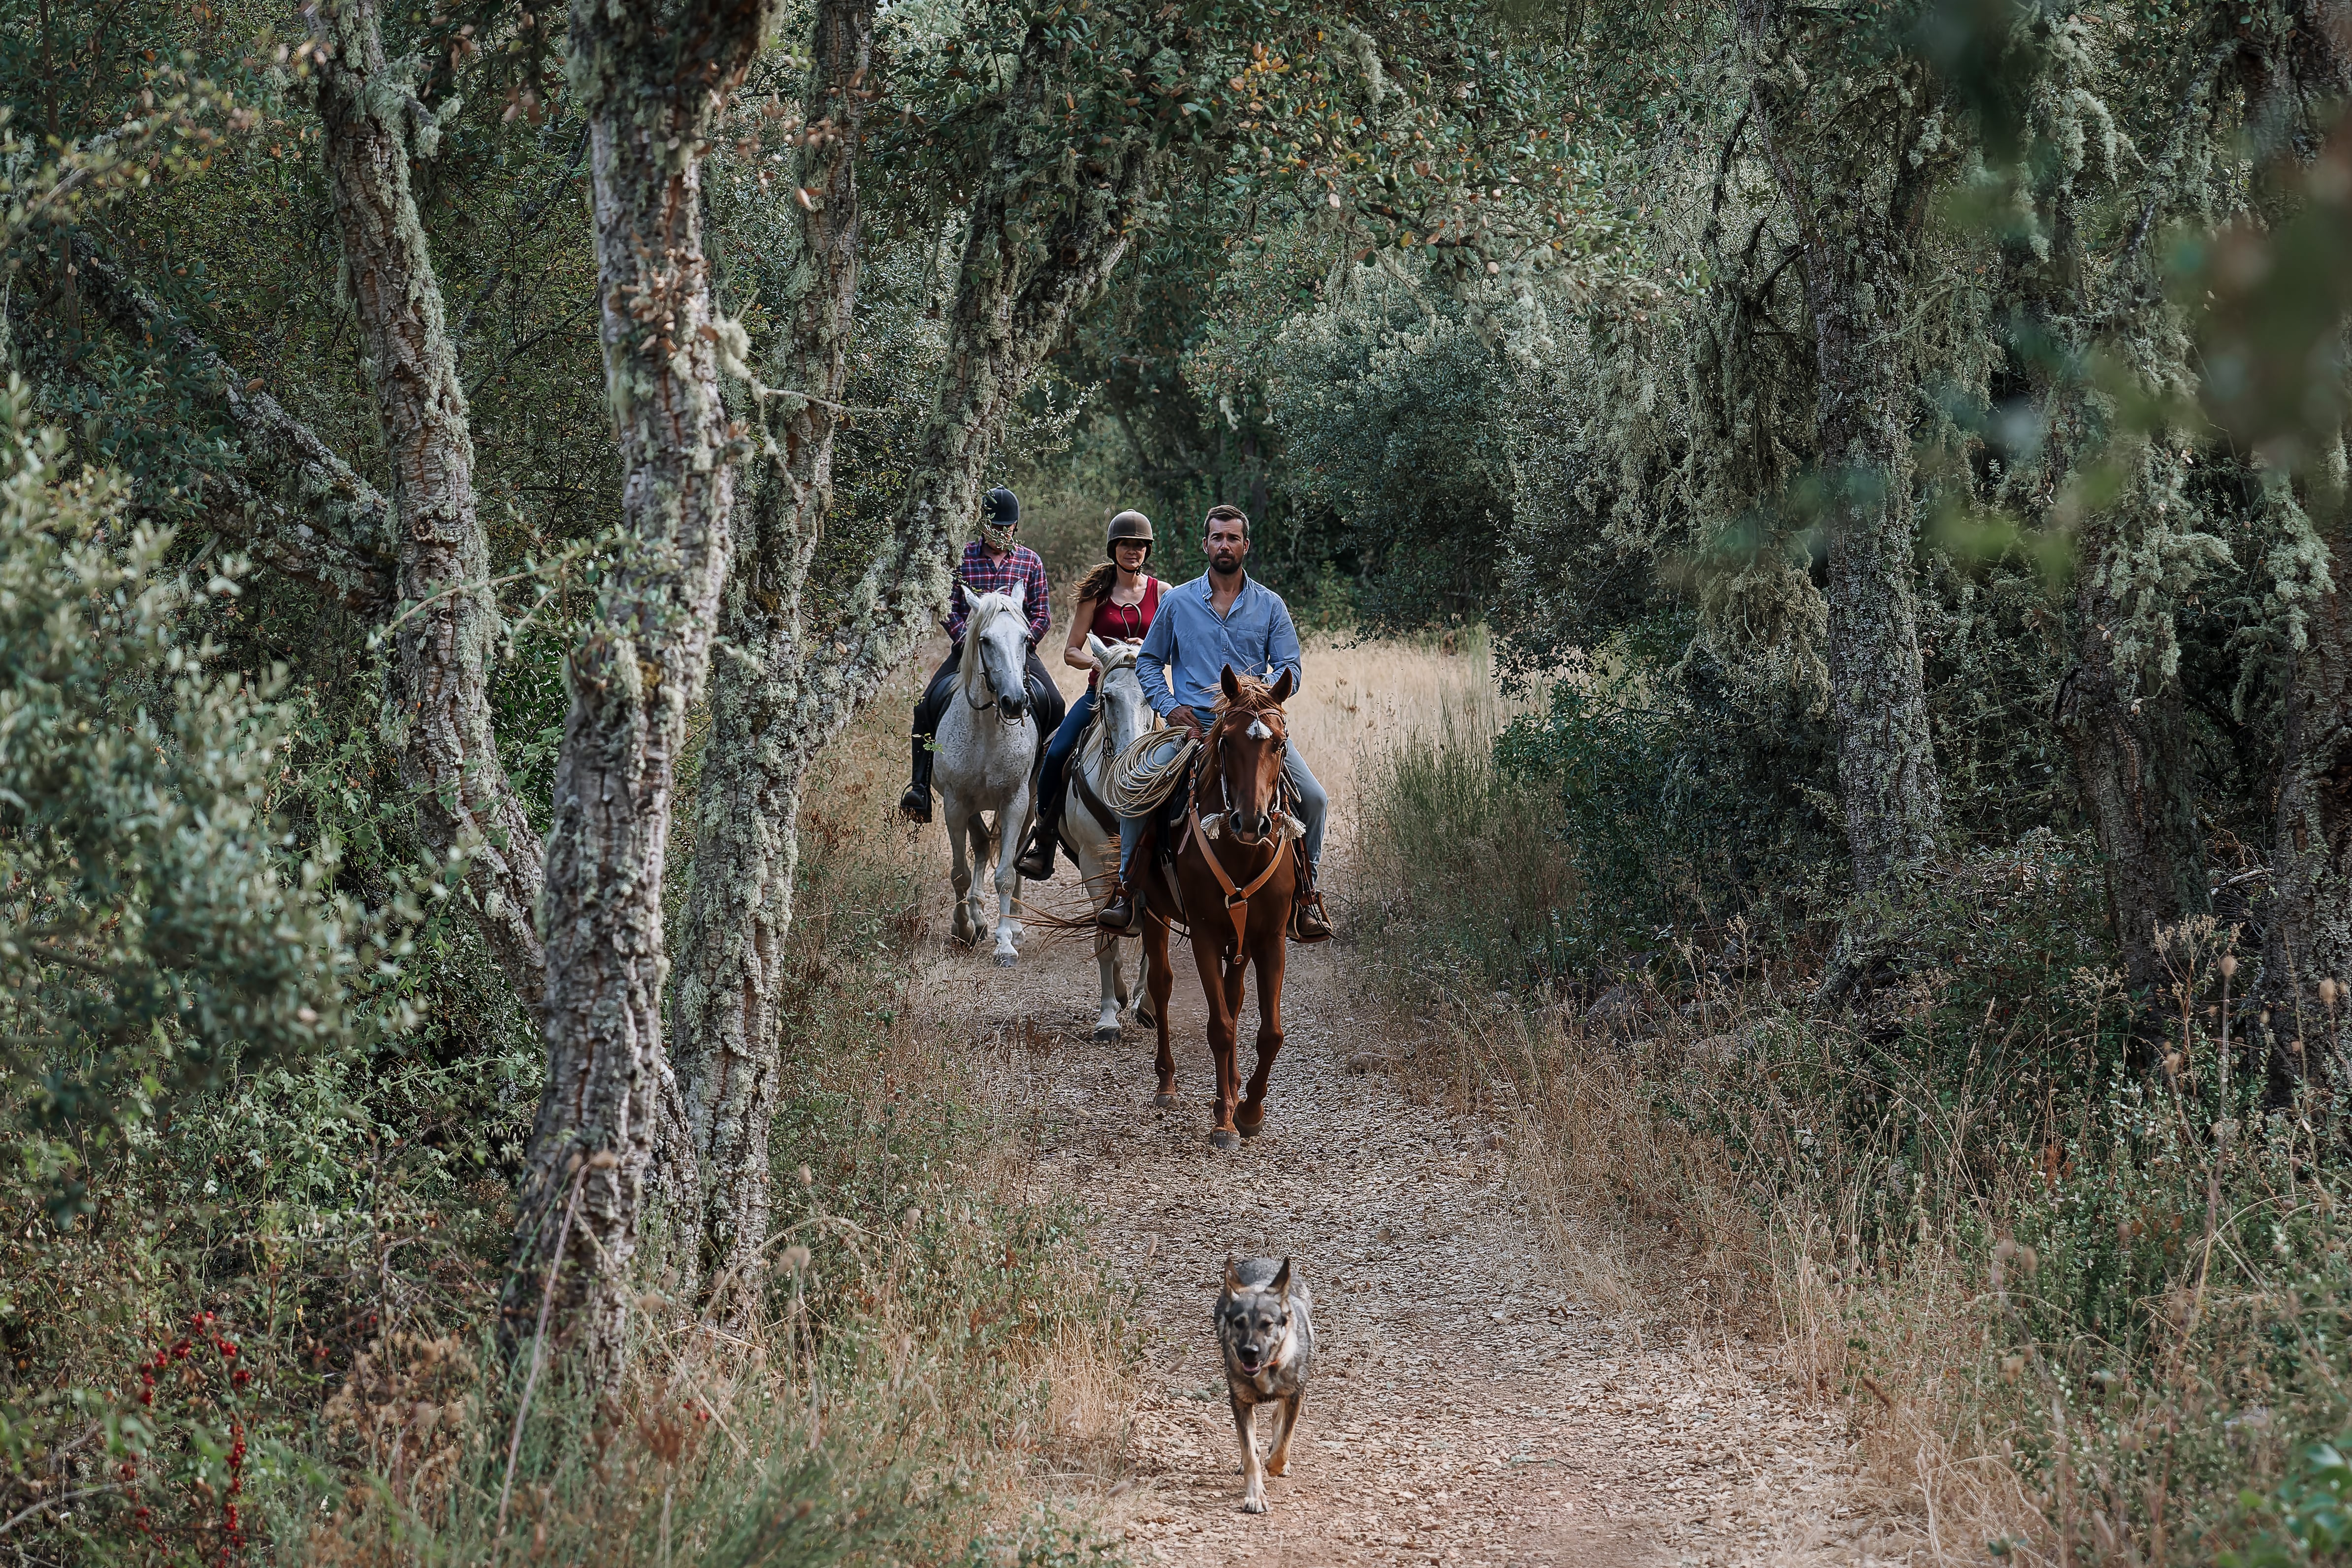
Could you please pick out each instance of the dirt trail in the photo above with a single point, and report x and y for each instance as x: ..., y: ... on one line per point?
x: 1465, y: 1407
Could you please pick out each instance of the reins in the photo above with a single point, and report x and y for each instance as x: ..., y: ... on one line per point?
x: 1236, y: 897
x: 974, y: 671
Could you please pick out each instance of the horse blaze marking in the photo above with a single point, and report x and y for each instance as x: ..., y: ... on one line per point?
x: 1257, y: 730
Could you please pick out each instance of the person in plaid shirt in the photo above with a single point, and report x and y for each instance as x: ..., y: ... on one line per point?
x: 992, y: 563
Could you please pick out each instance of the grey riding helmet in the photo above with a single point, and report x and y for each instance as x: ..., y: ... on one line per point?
x: 1129, y: 526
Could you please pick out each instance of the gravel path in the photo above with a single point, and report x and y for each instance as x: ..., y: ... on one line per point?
x: 1465, y: 1407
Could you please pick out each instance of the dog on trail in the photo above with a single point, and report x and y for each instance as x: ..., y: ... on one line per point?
x: 1268, y: 1341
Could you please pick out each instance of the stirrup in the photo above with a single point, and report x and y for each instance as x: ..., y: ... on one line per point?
x: 1039, y: 852
x: 1299, y: 909
x: 915, y: 805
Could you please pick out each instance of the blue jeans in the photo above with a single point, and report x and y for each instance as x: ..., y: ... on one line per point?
x: 1314, y: 806
x: 1058, y: 749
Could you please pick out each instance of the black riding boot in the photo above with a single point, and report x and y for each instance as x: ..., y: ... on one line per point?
x: 915, y: 805
x: 1036, y: 862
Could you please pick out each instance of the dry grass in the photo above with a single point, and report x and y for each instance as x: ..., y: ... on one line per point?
x: 937, y: 1356
x: 1360, y: 699
x: 1618, y: 1148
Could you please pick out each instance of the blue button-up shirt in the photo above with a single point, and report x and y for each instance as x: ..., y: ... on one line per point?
x: 1189, y: 644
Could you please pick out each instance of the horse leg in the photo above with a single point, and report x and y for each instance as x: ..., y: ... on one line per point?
x: 960, y: 877
x: 1008, y: 878
x: 1148, y: 971
x: 1223, y: 1041
x: 975, y: 898
x: 1114, y: 986
x: 1159, y: 981
x: 1272, y: 952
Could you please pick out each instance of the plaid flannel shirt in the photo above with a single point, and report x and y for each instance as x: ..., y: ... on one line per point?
x: 997, y: 574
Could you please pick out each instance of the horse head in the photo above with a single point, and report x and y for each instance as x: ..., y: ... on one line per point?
x: 996, y: 652
x: 1249, y: 740
x: 1126, y: 712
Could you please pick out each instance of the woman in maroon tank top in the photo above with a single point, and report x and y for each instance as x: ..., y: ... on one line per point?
x: 1115, y: 602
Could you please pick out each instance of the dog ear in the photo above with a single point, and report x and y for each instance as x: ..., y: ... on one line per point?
x: 1281, y: 1286
x: 1283, y: 688
x: 1229, y: 686
x: 1232, y: 1277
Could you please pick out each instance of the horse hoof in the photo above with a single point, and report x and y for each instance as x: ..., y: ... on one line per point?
x: 1224, y: 1138
x: 1006, y: 960
x: 1105, y: 1034
x: 1250, y: 1126
x: 1165, y: 1100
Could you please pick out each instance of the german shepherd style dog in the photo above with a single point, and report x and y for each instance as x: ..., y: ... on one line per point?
x: 1268, y: 1341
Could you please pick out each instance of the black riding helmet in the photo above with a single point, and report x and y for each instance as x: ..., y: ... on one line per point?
x: 1129, y: 526
x: 1003, y: 509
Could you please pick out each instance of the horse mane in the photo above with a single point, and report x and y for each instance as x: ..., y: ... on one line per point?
x: 1256, y: 696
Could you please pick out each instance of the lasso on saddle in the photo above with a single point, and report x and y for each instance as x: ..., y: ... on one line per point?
x: 1157, y: 773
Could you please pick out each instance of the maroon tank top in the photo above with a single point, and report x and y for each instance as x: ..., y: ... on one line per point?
x: 1124, y: 623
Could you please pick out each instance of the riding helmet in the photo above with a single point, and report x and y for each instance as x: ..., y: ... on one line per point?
x: 1002, y: 508
x: 1129, y: 526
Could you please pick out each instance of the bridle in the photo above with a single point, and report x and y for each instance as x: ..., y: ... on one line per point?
x: 980, y: 660
x: 1237, y: 896
x: 1278, y: 733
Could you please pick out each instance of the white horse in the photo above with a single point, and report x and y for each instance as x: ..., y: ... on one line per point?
x: 987, y: 742
x: 1122, y: 714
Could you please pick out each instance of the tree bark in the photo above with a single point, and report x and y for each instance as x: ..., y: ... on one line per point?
x: 436, y: 716
x: 2129, y: 742
x: 650, y: 79
x: 1858, y: 255
x: 748, y: 808
x: 1034, y: 254
x: 1887, y: 780
x: 2307, y: 938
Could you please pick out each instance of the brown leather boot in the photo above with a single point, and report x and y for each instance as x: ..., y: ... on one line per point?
x: 1308, y: 922
x: 1118, y: 914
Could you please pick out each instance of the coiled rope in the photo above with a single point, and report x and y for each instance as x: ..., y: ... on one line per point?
x: 1139, y: 780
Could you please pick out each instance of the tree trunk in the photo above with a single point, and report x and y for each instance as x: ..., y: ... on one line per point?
x: 436, y: 716
x: 748, y: 804
x: 650, y: 79
x: 1035, y: 253
x: 1886, y: 763
x: 1858, y: 251
x: 296, y: 504
x: 2307, y: 939
x: 2132, y: 767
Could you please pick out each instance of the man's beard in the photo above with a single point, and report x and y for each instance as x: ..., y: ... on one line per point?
x: 1225, y: 564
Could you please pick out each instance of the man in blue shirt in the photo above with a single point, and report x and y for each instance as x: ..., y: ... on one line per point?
x: 1219, y: 619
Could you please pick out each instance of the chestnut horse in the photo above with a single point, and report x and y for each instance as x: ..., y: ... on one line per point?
x: 1234, y: 878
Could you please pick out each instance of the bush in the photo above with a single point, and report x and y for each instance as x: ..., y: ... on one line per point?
x: 2079, y: 1283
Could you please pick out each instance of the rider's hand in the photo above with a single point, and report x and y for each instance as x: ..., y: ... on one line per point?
x: 1186, y: 717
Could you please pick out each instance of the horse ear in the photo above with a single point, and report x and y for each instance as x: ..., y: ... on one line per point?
x: 1231, y: 687
x: 1095, y: 647
x: 1018, y: 591
x: 1283, y: 688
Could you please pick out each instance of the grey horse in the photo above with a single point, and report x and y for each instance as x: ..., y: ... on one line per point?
x: 987, y: 744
